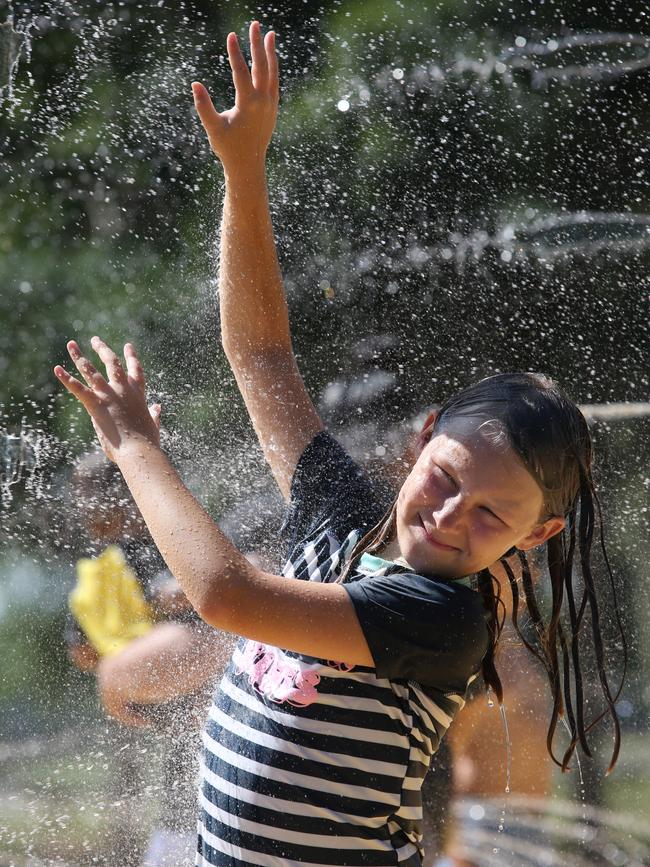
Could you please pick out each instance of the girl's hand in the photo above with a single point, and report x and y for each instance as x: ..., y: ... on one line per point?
x: 117, y: 406
x: 240, y: 136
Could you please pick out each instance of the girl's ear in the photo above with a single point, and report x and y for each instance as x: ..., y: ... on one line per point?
x: 425, y: 433
x: 541, y: 533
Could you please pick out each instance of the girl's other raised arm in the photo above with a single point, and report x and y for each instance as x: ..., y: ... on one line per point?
x: 254, y: 316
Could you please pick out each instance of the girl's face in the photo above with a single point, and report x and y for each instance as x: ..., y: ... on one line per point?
x: 465, y: 503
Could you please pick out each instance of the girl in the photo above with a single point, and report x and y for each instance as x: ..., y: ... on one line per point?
x: 345, y: 680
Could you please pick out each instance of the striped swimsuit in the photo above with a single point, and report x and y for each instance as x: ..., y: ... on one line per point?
x: 314, y: 762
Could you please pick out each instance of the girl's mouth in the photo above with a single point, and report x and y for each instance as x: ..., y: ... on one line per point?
x: 435, y: 543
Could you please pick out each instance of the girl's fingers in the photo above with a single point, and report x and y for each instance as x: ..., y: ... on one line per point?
x: 83, y: 394
x: 154, y: 412
x: 89, y: 372
x: 212, y: 122
x: 111, y: 361
x: 133, y: 366
x: 260, y: 66
x: 272, y: 61
x: 240, y: 74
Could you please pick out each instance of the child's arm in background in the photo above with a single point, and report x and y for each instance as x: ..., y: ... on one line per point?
x: 83, y: 656
x: 254, y: 316
x: 171, y: 661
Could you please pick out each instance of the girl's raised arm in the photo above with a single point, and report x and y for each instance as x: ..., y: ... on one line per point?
x: 254, y: 317
x: 228, y: 592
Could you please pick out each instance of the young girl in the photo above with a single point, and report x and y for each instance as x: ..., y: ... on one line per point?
x: 346, y: 679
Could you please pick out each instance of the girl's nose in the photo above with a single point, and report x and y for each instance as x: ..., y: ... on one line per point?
x: 449, y: 513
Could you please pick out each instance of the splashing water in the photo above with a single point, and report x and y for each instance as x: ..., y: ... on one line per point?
x: 13, y: 44
x: 582, y: 790
x: 579, y: 57
x: 504, y: 720
x: 582, y: 234
x: 508, y: 746
x: 115, y: 141
x: 16, y: 458
x: 542, y: 239
x: 26, y: 458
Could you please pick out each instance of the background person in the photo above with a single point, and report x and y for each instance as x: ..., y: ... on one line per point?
x: 160, y: 680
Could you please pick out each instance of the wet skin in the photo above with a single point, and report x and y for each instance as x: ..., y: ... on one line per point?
x: 465, y: 503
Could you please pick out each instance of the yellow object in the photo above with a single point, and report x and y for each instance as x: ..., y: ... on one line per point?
x: 108, y: 602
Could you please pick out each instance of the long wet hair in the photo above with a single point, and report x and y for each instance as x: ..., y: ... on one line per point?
x: 531, y: 415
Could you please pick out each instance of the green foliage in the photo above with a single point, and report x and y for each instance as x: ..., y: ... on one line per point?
x: 35, y: 685
x: 112, y: 203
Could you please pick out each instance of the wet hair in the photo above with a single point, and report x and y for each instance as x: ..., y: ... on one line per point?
x: 530, y: 414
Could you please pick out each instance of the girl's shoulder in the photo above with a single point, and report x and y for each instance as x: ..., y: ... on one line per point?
x: 427, y: 629
x: 331, y: 493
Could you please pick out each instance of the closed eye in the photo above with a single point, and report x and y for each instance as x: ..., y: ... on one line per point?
x: 446, y: 474
x: 492, y: 514
x: 485, y: 508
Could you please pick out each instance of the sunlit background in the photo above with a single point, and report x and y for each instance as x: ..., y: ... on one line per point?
x: 457, y: 189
